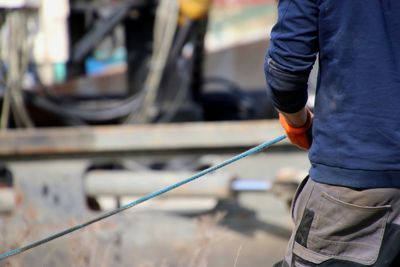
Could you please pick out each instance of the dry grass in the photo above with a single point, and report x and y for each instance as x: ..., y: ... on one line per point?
x: 85, y: 249
x: 197, y: 254
x: 13, y: 235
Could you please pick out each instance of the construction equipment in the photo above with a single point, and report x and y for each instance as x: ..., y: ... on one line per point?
x: 119, y: 110
x: 147, y: 58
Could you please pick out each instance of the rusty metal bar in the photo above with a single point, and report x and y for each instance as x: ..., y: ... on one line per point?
x: 136, y: 138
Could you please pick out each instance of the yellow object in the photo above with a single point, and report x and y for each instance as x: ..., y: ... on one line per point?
x: 194, y: 9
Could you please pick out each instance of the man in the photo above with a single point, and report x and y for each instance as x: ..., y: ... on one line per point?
x: 348, y: 212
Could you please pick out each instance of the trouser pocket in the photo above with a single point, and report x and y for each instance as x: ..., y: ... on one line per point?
x: 335, y: 229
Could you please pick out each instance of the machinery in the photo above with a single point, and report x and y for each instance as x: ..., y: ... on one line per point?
x: 113, y: 62
x: 104, y: 101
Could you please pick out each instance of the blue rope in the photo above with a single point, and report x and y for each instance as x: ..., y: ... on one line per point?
x: 143, y: 199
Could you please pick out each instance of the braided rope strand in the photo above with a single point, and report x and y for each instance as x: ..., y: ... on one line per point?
x: 142, y: 199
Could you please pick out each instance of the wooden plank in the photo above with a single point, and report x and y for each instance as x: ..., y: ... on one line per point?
x: 133, y: 138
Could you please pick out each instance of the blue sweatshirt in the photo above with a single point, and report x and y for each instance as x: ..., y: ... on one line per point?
x: 356, y: 128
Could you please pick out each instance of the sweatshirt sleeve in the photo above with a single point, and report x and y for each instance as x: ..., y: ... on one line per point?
x: 292, y: 53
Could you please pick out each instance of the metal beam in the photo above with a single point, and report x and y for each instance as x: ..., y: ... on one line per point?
x: 136, y: 138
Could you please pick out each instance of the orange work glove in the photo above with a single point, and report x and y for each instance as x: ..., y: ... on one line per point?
x: 299, y: 136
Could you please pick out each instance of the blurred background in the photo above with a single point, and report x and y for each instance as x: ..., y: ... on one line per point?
x: 104, y: 101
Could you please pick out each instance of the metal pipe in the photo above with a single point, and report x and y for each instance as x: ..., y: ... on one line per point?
x: 7, y: 200
x: 126, y: 183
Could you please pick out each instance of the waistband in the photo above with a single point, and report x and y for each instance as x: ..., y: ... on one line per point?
x: 360, y: 179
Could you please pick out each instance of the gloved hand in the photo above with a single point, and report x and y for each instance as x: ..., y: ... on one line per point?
x: 299, y: 136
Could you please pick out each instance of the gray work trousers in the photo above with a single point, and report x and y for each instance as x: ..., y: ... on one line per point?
x: 339, y: 226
